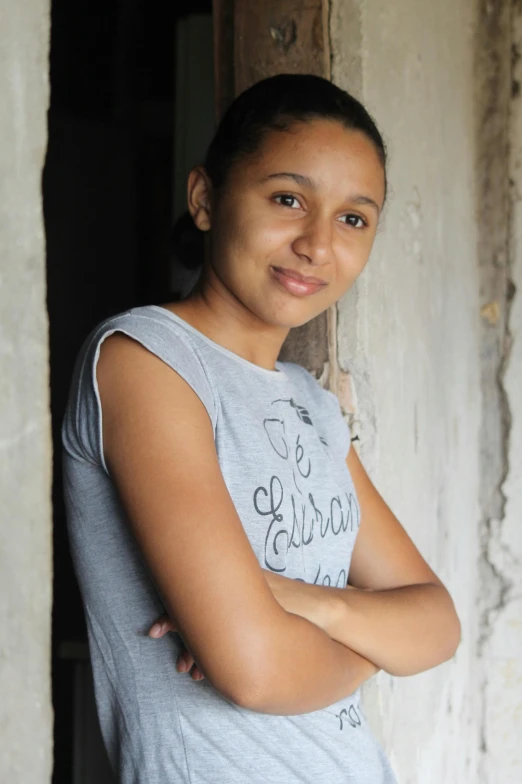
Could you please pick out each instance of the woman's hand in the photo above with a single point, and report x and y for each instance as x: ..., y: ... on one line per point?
x: 185, y: 662
x: 316, y: 603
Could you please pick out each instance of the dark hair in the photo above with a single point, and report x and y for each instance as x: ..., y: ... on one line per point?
x: 275, y: 103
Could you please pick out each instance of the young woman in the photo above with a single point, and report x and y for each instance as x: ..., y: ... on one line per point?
x: 212, y: 486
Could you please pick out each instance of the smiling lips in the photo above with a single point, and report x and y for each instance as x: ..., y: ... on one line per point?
x: 295, y: 283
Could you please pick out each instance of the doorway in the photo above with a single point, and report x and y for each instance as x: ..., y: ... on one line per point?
x: 132, y: 109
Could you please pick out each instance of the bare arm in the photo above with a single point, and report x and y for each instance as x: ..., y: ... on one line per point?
x: 398, y: 614
x: 160, y: 451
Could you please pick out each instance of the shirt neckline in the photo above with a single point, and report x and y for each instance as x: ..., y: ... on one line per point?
x: 275, y: 374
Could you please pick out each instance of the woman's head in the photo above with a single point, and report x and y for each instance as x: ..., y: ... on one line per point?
x: 277, y: 104
x: 294, y: 178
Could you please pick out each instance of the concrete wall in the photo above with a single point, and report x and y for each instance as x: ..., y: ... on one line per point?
x: 501, y: 598
x: 408, y: 333
x: 25, y: 452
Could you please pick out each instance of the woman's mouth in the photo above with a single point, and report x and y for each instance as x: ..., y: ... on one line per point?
x: 293, y: 282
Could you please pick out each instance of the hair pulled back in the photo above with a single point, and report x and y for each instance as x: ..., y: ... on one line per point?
x: 276, y: 103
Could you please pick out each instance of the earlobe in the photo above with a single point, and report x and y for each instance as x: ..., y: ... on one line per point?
x: 202, y: 219
x: 198, y: 197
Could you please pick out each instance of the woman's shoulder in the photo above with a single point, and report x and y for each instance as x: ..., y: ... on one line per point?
x: 147, y: 326
x: 151, y: 321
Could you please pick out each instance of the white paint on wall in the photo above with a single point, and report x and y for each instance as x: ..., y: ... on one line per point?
x: 408, y: 334
x: 26, y: 719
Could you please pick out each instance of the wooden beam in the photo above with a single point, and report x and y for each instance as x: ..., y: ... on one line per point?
x: 279, y: 36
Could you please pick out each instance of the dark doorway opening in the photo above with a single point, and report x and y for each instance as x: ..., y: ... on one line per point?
x: 131, y: 111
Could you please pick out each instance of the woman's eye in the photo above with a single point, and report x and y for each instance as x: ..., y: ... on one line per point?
x: 286, y: 199
x: 355, y: 220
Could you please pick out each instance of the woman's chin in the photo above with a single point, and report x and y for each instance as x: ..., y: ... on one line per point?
x: 290, y: 317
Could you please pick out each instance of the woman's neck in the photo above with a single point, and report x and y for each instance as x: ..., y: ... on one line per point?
x: 226, y: 321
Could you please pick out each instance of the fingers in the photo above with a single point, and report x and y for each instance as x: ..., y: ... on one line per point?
x: 186, y: 663
x: 163, y: 625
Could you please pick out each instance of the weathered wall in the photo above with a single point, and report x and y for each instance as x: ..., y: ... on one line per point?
x: 408, y: 333
x: 500, y: 136
x: 25, y: 453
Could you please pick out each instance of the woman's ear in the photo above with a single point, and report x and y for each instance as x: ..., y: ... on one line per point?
x: 199, y: 192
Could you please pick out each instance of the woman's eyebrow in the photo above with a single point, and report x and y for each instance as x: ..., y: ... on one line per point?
x: 360, y: 199
x: 301, y: 179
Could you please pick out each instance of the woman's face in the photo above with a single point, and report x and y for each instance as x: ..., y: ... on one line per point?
x: 308, y: 202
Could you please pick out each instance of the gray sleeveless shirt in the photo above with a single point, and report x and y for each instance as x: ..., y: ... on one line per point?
x: 282, y: 443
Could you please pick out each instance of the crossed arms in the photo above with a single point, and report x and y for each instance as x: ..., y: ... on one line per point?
x: 265, y: 642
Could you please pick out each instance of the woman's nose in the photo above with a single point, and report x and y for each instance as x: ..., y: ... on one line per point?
x: 314, y: 241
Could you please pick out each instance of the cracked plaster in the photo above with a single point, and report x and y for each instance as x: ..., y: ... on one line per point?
x: 500, y: 643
